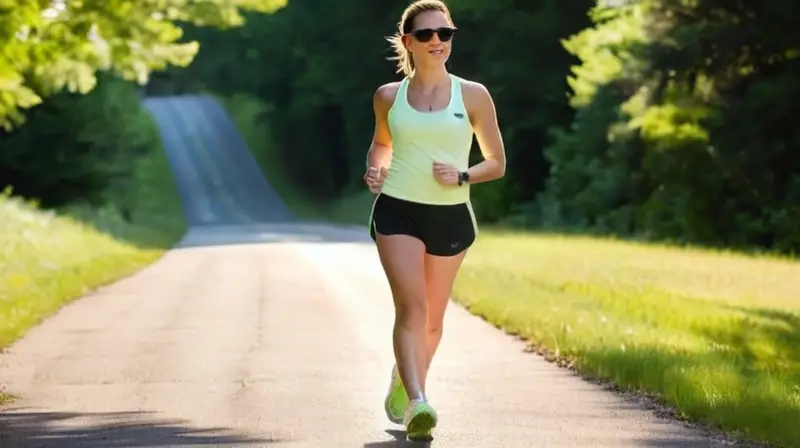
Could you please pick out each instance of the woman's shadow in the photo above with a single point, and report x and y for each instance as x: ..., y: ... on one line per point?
x: 399, y: 441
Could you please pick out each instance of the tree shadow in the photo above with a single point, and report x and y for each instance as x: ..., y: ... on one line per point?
x: 746, y: 382
x: 114, y: 429
x: 762, y: 334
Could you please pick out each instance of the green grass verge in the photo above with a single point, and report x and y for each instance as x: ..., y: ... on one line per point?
x: 49, y: 258
x: 714, y: 335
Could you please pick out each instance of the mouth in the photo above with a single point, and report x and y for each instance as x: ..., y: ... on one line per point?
x: 436, y: 52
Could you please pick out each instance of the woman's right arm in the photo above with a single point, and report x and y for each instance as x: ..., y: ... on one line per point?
x: 380, y: 150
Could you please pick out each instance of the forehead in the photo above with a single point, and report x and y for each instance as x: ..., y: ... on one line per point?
x: 430, y: 19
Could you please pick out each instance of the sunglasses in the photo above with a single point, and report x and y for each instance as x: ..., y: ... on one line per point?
x: 426, y: 34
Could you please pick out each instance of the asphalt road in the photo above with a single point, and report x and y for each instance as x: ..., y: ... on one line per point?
x: 261, y: 331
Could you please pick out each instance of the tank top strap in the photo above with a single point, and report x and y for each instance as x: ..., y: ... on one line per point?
x: 457, y: 98
x: 401, y: 99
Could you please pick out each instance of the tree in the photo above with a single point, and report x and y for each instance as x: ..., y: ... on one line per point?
x: 683, y: 130
x: 48, y: 46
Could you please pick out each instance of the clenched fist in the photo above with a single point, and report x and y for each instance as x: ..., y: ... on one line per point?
x: 374, y: 178
x: 445, y: 173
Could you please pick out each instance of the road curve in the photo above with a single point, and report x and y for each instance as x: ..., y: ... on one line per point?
x: 260, y: 331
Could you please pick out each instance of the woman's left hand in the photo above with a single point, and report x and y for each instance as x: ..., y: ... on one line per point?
x: 445, y: 173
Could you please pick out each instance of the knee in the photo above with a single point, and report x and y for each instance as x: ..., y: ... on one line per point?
x: 434, y: 328
x: 434, y: 323
x: 412, y: 312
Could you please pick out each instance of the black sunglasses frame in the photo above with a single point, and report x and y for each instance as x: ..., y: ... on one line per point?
x: 426, y: 34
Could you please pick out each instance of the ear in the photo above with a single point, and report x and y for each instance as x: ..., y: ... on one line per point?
x: 406, y: 42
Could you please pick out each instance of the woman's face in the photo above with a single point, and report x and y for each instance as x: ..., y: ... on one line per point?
x: 428, y: 47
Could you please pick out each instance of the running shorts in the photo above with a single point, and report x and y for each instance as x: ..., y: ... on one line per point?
x: 446, y: 230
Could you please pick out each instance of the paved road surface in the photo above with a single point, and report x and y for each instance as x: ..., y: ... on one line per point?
x: 260, y: 332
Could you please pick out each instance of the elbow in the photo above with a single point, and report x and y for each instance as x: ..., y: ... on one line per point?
x: 500, y: 169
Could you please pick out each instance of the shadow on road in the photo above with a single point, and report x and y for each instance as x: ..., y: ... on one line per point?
x: 399, y: 441
x: 106, y: 430
x: 667, y: 441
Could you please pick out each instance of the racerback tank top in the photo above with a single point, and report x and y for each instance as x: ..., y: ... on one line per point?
x: 419, y: 139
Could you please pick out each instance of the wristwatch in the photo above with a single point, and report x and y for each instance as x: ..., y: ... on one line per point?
x: 463, y: 177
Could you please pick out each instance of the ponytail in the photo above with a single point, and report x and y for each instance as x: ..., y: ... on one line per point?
x: 405, y: 63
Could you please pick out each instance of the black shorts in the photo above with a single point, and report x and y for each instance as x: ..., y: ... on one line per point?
x: 446, y: 230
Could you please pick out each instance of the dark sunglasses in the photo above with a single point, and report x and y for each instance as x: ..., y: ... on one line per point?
x: 426, y: 34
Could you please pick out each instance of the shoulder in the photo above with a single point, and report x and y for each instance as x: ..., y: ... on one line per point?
x: 476, y: 95
x: 474, y: 91
x: 385, y: 94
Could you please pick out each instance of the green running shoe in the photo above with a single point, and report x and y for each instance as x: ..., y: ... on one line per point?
x: 396, y: 401
x: 420, y: 420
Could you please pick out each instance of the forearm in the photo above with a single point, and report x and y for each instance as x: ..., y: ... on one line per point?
x: 487, y: 170
x: 379, y: 156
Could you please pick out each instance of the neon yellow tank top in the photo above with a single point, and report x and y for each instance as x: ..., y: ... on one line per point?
x: 419, y: 139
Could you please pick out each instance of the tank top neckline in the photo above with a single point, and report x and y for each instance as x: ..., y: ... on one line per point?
x: 407, y: 82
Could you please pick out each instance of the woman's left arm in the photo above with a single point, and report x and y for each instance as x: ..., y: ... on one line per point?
x: 483, y: 115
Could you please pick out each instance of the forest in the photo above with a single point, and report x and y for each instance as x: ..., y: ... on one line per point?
x: 666, y: 120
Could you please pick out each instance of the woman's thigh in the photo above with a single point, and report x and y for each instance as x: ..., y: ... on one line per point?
x: 440, y: 275
x: 402, y: 257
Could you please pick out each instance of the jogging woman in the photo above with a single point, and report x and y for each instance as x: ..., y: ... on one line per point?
x: 422, y: 220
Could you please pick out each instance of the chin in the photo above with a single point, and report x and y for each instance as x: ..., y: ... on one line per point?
x: 438, y: 59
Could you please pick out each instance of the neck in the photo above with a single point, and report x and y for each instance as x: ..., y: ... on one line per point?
x: 429, y: 77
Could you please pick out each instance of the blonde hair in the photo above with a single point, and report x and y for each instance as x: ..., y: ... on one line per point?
x: 405, y: 63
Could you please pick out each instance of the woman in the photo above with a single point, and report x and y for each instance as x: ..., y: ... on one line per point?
x: 422, y: 220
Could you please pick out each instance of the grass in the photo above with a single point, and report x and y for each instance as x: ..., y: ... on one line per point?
x: 714, y: 335
x: 49, y: 258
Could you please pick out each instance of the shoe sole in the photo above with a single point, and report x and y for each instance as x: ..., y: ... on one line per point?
x: 420, y: 426
x: 387, y: 409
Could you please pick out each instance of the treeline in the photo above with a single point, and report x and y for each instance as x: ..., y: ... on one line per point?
x: 74, y: 147
x: 662, y: 119
x: 71, y: 122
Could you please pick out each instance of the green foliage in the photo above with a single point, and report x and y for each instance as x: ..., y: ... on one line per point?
x: 662, y: 119
x: 646, y: 120
x: 76, y: 146
x: 46, y: 47
x: 682, y: 129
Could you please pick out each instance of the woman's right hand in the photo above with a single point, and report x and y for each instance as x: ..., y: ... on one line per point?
x: 374, y: 178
